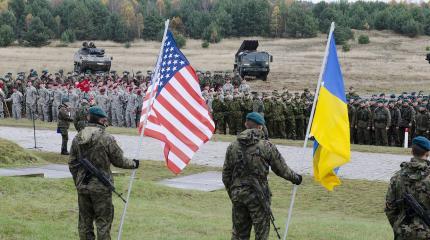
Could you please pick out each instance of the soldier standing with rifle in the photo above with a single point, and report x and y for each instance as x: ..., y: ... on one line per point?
x: 244, y: 176
x: 407, y: 199
x: 92, y: 153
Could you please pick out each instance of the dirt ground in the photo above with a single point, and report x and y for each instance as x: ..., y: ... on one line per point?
x: 390, y: 63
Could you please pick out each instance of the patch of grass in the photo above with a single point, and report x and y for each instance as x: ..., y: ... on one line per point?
x: 216, y: 138
x: 13, y: 155
x: 35, y: 208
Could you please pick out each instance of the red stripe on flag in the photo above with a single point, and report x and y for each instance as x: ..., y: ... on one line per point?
x: 176, y: 132
x: 181, y: 118
x: 184, y: 83
x: 189, y: 107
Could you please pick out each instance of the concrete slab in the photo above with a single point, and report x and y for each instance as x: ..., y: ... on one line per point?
x: 206, y: 181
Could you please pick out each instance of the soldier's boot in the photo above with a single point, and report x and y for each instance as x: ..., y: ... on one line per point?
x: 65, y: 139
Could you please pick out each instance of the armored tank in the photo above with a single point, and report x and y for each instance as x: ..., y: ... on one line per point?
x: 90, y: 58
x: 250, y: 62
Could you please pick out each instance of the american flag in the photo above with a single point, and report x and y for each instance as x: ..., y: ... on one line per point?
x: 178, y: 115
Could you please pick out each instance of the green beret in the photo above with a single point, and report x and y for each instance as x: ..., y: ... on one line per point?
x: 422, y: 142
x: 97, y: 111
x: 256, y: 117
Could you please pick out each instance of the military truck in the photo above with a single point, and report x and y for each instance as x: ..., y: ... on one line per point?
x: 90, y: 58
x: 250, y: 62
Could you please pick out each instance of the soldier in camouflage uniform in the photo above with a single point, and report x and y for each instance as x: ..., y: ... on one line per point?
x: 247, y: 106
x: 56, y: 101
x: 219, y: 109
x: 16, y: 98
x: 64, y: 119
x: 364, y: 121
x: 268, y: 114
x: 413, y: 178
x: 244, y: 175
x: 300, y: 117
x: 80, y: 120
x: 278, y: 109
x: 290, y: 119
x: 30, y: 101
x: 381, y: 123
x: 2, y: 97
x: 422, y: 122
x: 235, y: 115
x: 393, y: 132
x: 408, y: 117
x: 117, y: 100
x: 130, y: 111
x: 352, y: 113
x: 94, y: 198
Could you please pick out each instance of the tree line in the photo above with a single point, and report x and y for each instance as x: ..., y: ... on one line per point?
x: 35, y: 22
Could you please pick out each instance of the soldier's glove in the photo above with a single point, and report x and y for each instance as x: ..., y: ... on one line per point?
x: 136, y: 163
x: 297, y: 180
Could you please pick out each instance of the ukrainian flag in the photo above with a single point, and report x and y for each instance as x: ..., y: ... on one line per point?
x: 330, y: 125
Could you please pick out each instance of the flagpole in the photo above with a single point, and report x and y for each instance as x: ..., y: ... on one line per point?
x: 317, y: 91
x: 133, y: 174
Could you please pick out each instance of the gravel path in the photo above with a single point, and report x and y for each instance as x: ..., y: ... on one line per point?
x: 370, y: 166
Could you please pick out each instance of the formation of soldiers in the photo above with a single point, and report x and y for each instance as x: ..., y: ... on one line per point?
x: 376, y: 120
x: 40, y: 96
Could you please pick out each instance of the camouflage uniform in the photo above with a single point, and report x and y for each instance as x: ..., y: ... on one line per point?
x: 219, y: 109
x: 64, y: 119
x: 94, y: 198
x: 422, y: 123
x: 235, y: 115
x: 352, y: 113
x: 381, y: 122
x: 118, y: 100
x: 290, y: 120
x: 130, y: 112
x: 2, y: 97
x: 30, y: 102
x: 16, y: 99
x: 56, y: 101
x: 244, y: 175
x: 408, y: 117
x: 393, y: 132
x: 80, y: 119
x: 364, y: 121
x: 268, y: 114
x: 278, y: 110
x: 413, y: 178
x: 300, y: 118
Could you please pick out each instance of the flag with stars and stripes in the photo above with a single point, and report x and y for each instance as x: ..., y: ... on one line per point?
x: 178, y: 115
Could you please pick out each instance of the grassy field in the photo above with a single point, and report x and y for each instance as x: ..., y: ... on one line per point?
x: 217, y: 137
x: 385, y: 64
x: 35, y: 208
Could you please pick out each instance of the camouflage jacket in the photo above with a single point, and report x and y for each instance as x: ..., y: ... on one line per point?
x: 101, y: 149
x: 423, y: 121
x: 413, y: 178
x: 64, y: 117
x: 248, y: 160
x: 80, y: 120
x: 381, y: 117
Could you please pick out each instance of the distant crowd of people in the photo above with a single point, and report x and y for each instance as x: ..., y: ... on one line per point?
x: 377, y: 120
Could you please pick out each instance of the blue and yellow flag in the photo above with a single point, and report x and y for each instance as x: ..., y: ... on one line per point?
x: 330, y: 125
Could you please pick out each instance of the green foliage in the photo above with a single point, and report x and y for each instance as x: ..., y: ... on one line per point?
x: 7, y: 36
x: 346, y: 47
x: 412, y: 28
x: 180, y: 40
x: 342, y: 34
x: 363, y: 39
x: 68, y: 36
x: 154, y: 27
x: 212, y: 34
x: 205, y: 44
x: 124, y: 20
x: 300, y: 22
x: 37, y: 34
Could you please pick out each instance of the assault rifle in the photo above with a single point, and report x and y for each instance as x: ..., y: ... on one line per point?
x: 265, y: 203
x: 93, y: 171
x: 417, y: 208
